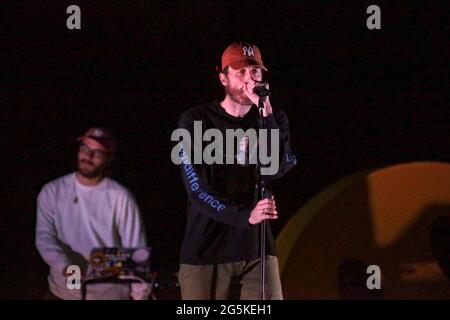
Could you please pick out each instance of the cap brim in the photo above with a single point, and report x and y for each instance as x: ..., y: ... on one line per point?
x: 247, y: 63
x: 94, y: 143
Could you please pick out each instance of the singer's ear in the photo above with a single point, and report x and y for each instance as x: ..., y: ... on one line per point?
x: 223, y: 78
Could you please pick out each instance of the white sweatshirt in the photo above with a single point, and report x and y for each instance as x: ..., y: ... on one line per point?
x: 72, y: 219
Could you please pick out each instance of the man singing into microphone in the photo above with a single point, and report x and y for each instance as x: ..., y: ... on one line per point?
x: 220, y: 253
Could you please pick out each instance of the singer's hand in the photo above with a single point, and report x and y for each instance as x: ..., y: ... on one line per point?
x: 248, y: 90
x: 264, y: 209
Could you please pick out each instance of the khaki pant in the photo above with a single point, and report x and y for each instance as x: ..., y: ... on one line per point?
x: 235, y: 280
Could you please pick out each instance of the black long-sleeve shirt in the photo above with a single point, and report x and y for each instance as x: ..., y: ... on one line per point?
x: 222, y: 196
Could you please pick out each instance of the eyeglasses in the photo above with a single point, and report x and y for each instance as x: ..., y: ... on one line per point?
x: 96, y: 153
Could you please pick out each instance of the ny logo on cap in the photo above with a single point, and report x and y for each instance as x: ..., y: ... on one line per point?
x: 97, y: 133
x: 248, y: 51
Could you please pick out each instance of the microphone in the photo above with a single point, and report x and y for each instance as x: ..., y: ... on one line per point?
x: 261, y: 91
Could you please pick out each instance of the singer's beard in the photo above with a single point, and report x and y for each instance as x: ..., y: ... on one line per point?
x: 89, y: 170
x: 238, y: 95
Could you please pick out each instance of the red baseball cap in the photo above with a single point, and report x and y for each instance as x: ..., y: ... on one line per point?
x: 100, y: 137
x: 240, y: 55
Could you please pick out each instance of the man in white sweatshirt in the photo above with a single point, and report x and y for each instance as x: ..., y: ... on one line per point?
x: 85, y: 210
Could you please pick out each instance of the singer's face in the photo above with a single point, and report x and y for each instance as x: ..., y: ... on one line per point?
x: 92, y: 160
x: 236, y: 80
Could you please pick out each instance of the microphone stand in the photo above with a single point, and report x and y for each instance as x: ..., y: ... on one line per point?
x: 263, y: 185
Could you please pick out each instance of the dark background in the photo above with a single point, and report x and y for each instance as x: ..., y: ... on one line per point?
x: 356, y: 99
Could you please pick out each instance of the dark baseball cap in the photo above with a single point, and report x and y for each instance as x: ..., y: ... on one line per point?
x: 100, y: 136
